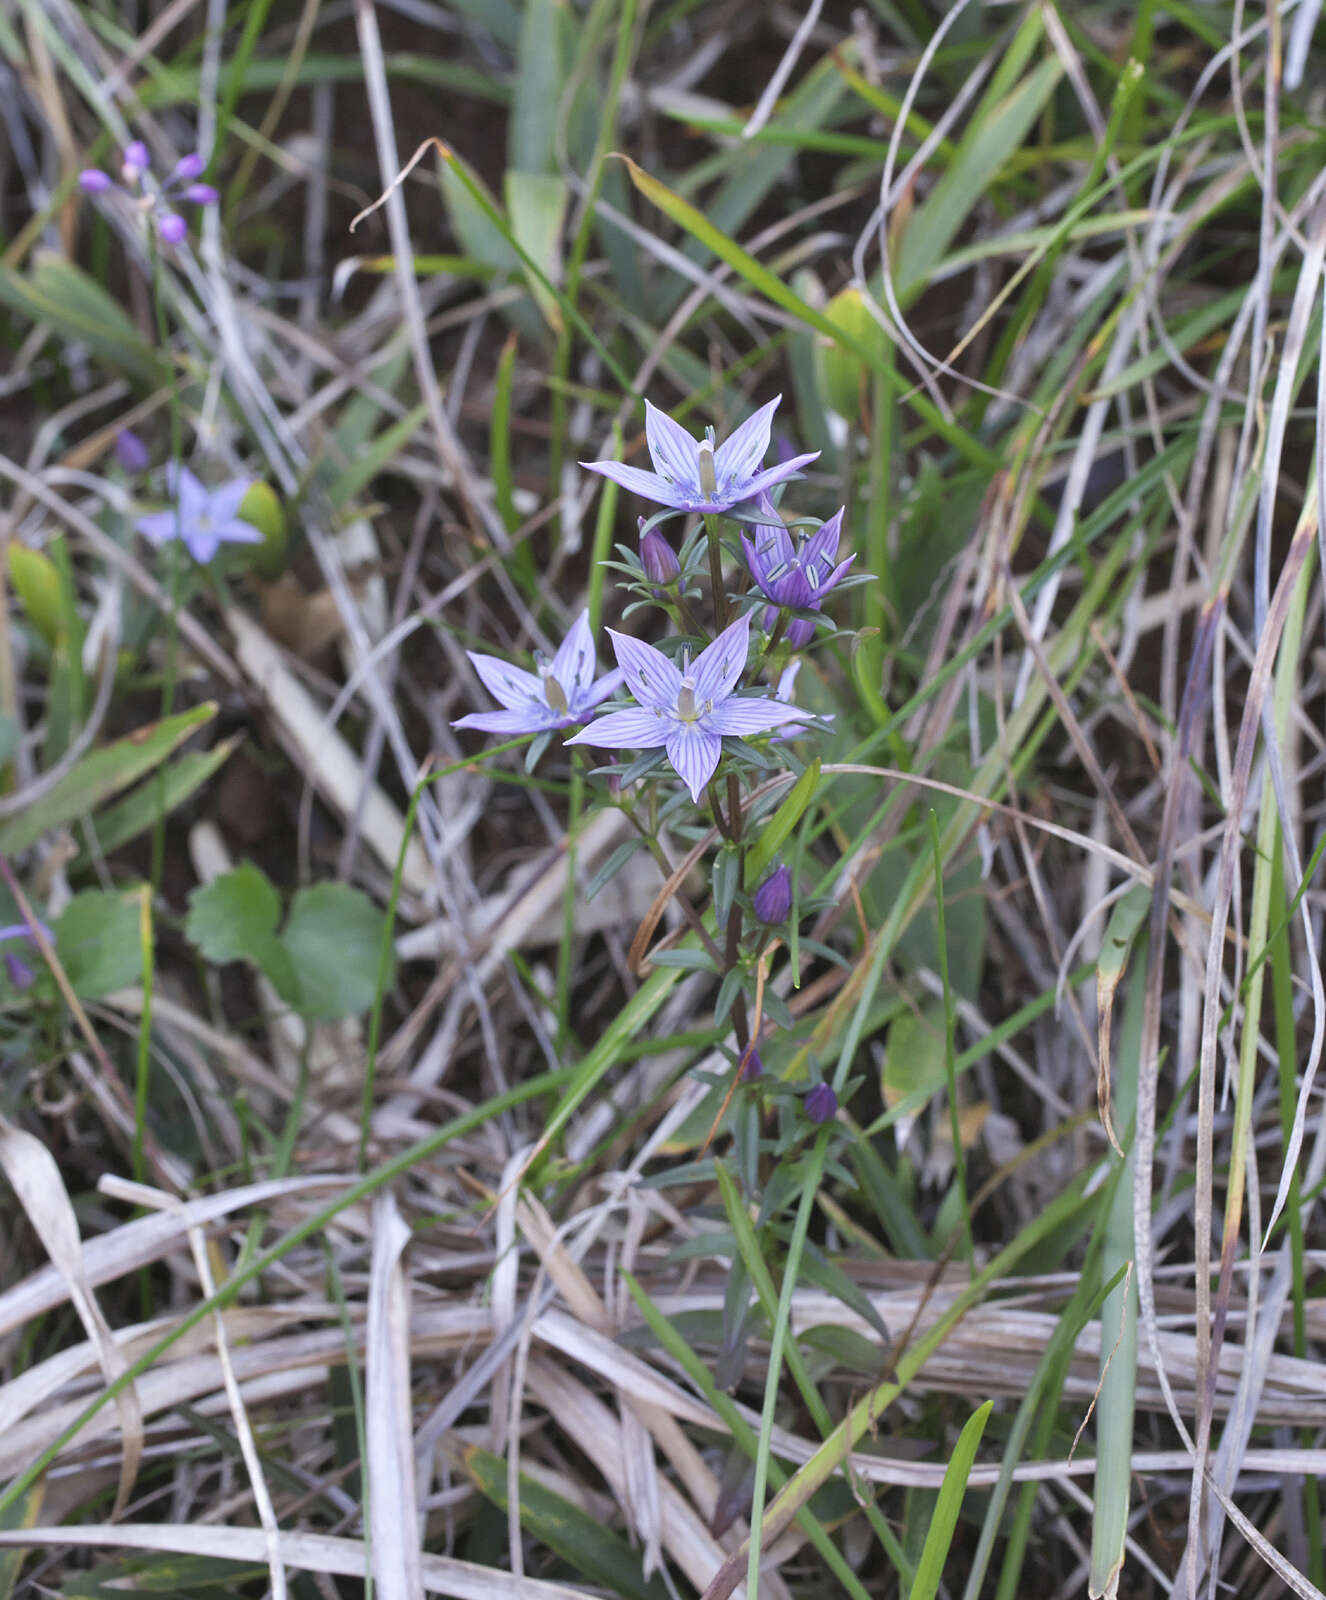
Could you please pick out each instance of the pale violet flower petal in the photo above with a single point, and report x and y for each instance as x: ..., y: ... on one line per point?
x: 746, y: 447
x: 608, y: 684
x: 159, y: 527
x: 646, y: 484
x: 573, y: 665
x: 202, y: 543
x: 745, y: 717
x: 237, y: 531
x: 508, y: 722
x: 717, y: 669
x: 227, y: 499
x: 694, y: 753
x: 771, y: 476
x: 513, y: 686
x: 648, y: 674
x: 634, y: 729
x: 673, y: 451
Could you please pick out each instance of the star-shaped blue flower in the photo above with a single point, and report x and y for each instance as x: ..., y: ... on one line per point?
x: 203, y: 518
x: 692, y: 475
x: 688, y: 711
x: 562, y: 693
x: 796, y: 572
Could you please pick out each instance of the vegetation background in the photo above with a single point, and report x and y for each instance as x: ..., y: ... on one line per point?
x: 361, y: 1229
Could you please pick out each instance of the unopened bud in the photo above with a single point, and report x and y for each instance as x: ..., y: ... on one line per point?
x: 92, y: 180
x: 172, y: 227
x: 656, y: 557
x: 137, y: 159
x: 773, y: 898
x: 751, y: 1066
x: 821, y: 1103
x: 190, y: 166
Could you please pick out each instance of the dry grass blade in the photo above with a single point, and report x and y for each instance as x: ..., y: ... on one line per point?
x: 392, y: 1518
x: 309, y: 1552
x: 35, y: 1178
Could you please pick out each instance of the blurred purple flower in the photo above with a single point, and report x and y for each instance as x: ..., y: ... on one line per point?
x: 203, y: 518
x: 181, y: 185
x: 131, y: 452
x: 687, y: 711
x: 752, y: 1067
x: 773, y: 898
x: 794, y: 572
x: 692, y: 475
x: 821, y: 1103
x: 20, y: 974
x: 562, y: 693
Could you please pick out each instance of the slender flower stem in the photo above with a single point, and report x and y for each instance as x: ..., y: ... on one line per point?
x: 722, y: 611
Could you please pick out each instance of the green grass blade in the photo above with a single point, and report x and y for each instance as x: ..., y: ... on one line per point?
x: 930, y: 1569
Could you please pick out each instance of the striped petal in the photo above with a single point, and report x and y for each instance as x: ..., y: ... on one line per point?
x: 647, y: 673
x: 718, y: 667
x: 672, y: 450
x: 513, y: 686
x: 740, y: 718
x: 646, y: 484
x: 694, y: 753
x: 742, y: 451
x: 634, y: 729
x: 573, y: 665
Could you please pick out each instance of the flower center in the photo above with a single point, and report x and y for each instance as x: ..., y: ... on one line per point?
x: 687, y: 709
x: 708, y: 477
x: 553, y: 692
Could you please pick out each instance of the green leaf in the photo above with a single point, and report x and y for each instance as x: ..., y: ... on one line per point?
x: 99, y: 943
x: 366, y: 466
x: 22, y: 1514
x: 334, y: 938
x: 231, y: 915
x: 536, y: 209
x: 930, y: 1568
x: 991, y: 140
x: 601, y: 1557
x: 139, y: 811
x: 774, y: 833
x: 100, y: 775
x: 539, y: 82
x: 80, y: 311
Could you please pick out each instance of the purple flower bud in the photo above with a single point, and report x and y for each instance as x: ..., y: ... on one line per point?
x: 202, y: 194
x: 92, y: 180
x: 797, y: 634
x: 131, y: 452
x: 751, y: 1066
x: 773, y: 898
x: 172, y: 227
x: 190, y: 166
x: 656, y: 556
x: 137, y: 159
x: 20, y: 973
x: 821, y: 1103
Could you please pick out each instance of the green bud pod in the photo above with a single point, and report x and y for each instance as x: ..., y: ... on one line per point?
x: 262, y: 510
x: 839, y: 371
x: 36, y: 581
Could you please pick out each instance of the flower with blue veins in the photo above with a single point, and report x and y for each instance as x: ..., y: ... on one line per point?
x: 696, y: 475
x: 796, y: 572
x: 203, y: 518
x: 688, y: 710
x: 561, y: 694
